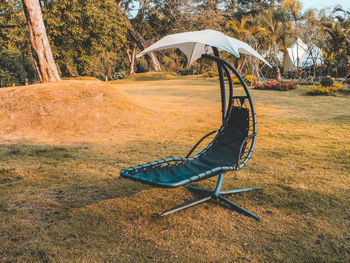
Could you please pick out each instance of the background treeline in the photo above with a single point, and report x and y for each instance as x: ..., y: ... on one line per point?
x: 101, y: 38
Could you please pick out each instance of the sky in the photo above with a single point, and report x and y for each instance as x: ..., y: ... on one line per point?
x: 319, y: 4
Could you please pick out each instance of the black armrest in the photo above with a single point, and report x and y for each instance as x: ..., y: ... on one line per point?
x: 205, y: 136
x: 243, y: 144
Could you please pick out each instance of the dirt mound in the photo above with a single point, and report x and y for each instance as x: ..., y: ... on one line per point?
x: 67, y: 110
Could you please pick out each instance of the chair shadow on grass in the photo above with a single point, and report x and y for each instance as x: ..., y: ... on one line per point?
x: 53, y: 167
x: 76, y: 196
x: 95, y: 190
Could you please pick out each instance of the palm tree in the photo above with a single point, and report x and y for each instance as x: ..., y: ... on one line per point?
x: 293, y: 10
x: 248, y: 30
x: 277, y: 31
x: 337, y: 44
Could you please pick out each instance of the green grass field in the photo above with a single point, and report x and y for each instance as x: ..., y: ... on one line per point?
x: 65, y: 201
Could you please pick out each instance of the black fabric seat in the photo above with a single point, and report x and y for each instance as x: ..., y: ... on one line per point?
x: 222, y: 154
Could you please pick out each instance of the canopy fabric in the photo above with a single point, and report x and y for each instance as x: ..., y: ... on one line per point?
x: 302, y: 54
x: 195, y: 44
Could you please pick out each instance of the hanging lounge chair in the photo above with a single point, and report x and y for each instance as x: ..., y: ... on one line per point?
x: 234, y: 141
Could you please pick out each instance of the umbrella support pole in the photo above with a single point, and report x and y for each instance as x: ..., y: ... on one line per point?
x: 222, y: 84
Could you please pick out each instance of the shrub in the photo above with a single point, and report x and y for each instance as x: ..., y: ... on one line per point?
x: 338, y: 86
x: 315, y: 90
x: 185, y: 72
x: 210, y: 74
x: 119, y: 75
x: 326, y: 81
x: 235, y: 80
x: 250, y: 79
x: 276, y: 85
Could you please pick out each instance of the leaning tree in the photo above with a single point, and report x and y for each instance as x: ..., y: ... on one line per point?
x: 151, y: 58
x: 41, y: 50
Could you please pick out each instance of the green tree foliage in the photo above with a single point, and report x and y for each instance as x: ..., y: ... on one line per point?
x: 16, y: 68
x: 336, y: 43
x: 13, y: 32
x: 91, y: 37
x: 251, y: 7
x: 87, y: 36
x: 15, y: 58
x: 276, y: 30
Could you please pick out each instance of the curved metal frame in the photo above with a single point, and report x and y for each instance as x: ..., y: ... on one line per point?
x: 223, y: 63
x: 223, y: 66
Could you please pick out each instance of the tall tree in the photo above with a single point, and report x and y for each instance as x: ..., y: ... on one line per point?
x: 293, y: 9
x: 336, y: 46
x: 88, y: 37
x: 13, y: 28
x: 245, y: 30
x: 151, y: 58
x: 41, y: 50
x: 276, y: 30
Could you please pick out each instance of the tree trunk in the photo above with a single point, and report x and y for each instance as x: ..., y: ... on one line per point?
x: 132, y: 64
x: 41, y: 50
x: 119, y: 3
x: 278, y: 72
x: 131, y: 58
x: 152, y: 61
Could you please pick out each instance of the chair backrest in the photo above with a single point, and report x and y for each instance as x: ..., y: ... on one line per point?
x: 226, y: 146
x: 234, y: 143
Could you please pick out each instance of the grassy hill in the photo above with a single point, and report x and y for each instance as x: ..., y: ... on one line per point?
x: 67, y: 110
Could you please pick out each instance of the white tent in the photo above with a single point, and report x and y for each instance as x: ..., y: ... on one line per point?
x: 196, y: 43
x: 301, y: 55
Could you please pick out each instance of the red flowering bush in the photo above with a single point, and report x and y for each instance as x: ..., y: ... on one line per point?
x: 276, y: 85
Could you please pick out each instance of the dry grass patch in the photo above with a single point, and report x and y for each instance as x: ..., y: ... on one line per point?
x: 65, y: 202
x: 68, y: 110
x: 147, y: 76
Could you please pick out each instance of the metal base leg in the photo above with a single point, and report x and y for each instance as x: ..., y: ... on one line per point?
x: 240, y: 190
x: 185, y: 205
x: 238, y: 208
x: 215, y: 194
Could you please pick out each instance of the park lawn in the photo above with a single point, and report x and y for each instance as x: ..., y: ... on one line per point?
x: 64, y: 201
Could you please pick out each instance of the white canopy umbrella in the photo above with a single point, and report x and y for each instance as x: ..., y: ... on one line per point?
x: 195, y: 44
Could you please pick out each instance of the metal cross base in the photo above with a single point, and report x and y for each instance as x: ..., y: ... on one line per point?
x: 215, y: 194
